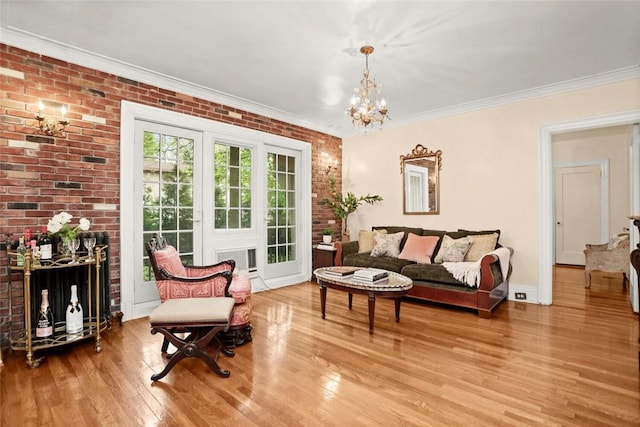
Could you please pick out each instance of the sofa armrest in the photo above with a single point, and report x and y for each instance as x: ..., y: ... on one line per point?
x: 344, y: 249
x: 487, y: 280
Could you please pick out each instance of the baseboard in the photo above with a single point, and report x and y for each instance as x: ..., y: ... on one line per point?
x: 530, y: 292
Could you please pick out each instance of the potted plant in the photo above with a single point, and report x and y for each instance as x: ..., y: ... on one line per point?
x: 326, y: 235
x: 343, y: 205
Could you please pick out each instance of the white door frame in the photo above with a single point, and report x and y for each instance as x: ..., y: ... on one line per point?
x: 634, y: 188
x: 546, y: 237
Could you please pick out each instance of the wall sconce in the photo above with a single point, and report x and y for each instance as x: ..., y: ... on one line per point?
x: 49, y: 125
x: 333, y: 165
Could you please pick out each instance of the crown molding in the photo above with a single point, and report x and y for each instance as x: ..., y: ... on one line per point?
x: 510, y: 98
x: 43, y: 46
x: 38, y: 44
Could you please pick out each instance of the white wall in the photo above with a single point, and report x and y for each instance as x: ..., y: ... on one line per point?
x: 489, y: 177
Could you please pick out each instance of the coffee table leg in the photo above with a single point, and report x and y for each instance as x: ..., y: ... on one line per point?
x: 372, y: 310
x: 350, y: 300
x: 397, y: 301
x: 323, y: 298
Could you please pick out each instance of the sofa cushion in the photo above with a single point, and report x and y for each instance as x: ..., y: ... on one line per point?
x: 365, y: 240
x: 387, y: 244
x: 473, y: 233
x: 435, y: 273
x: 481, y: 244
x: 452, y: 250
x: 419, y: 248
x: 383, y: 262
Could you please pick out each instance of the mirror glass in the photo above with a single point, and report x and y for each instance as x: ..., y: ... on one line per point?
x: 421, y: 181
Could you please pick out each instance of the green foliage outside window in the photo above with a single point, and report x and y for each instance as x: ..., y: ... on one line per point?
x: 232, y: 186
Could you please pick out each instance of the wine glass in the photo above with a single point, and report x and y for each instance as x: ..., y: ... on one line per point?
x: 74, y: 245
x: 89, y: 243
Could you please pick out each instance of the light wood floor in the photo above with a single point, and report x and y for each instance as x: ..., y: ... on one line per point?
x: 574, y: 363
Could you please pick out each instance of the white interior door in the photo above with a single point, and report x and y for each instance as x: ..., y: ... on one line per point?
x: 578, y: 202
x: 283, y: 213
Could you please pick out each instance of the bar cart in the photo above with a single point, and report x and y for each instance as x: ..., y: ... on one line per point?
x: 59, y: 275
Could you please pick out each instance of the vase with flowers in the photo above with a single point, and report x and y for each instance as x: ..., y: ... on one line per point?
x: 60, y: 226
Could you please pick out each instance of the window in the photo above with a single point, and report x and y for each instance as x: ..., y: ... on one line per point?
x: 232, y: 184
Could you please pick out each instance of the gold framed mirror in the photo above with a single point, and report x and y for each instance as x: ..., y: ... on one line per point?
x: 420, y: 171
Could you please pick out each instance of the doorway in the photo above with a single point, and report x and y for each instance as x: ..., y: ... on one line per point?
x: 546, y: 208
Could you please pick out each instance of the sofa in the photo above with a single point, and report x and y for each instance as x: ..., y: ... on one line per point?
x: 461, y: 268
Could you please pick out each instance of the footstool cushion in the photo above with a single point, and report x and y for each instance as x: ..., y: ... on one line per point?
x: 192, y: 311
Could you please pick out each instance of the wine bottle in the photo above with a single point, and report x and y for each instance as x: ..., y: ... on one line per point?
x: 44, y: 324
x: 46, y: 247
x: 32, y: 241
x: 74, y: 313
x: 22, y: 249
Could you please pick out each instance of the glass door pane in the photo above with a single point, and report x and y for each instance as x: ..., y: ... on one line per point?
x: 166, y: 197
x: 282, y: 193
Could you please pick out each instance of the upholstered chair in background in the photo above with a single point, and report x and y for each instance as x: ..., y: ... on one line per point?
x: 612, y: 257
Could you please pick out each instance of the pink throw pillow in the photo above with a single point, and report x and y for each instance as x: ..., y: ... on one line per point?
x: 169, y: 259
x: 419, y: 248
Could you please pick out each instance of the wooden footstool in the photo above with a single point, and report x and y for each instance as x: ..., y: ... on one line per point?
x: 202, y: 319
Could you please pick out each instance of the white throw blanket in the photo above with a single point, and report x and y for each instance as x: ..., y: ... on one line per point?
x: 469, y: 271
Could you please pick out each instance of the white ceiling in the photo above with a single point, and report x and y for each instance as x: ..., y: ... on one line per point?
x: 299, y: 61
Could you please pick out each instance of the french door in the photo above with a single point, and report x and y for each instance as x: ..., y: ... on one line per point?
x: 282, y: 219
x: 210, y: 188
x: 167, y: 186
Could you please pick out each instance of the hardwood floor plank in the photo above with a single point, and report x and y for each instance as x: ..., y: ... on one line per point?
x: 570, y: 364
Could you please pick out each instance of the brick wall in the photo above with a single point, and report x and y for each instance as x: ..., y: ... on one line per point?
x: 41, y: 176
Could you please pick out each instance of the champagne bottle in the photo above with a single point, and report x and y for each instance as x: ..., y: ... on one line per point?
x: 74, y: 313
x: 46, y: 247
x: 44, y: 324
x: 22, y: 249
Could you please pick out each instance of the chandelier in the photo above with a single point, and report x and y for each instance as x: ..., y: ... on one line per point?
x: 367, y: 108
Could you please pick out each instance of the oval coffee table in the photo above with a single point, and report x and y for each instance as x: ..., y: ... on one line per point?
x: 396, y: 287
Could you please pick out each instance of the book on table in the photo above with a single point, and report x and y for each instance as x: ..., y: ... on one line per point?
x: 341, y: 271
x: 368, y: 281
x: 326, y: 246
x: 371, y: 274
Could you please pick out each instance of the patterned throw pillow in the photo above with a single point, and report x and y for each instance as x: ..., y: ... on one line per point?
x: 452, y: 250
x: 387, y: 244
x: 481, y: 244
x: 365, y: 240
x: 419, y: 248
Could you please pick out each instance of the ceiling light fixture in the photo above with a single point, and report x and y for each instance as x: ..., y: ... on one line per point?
x: 367, y: 108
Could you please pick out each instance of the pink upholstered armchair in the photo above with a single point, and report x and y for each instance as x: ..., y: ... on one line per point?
x: 175, y: 280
